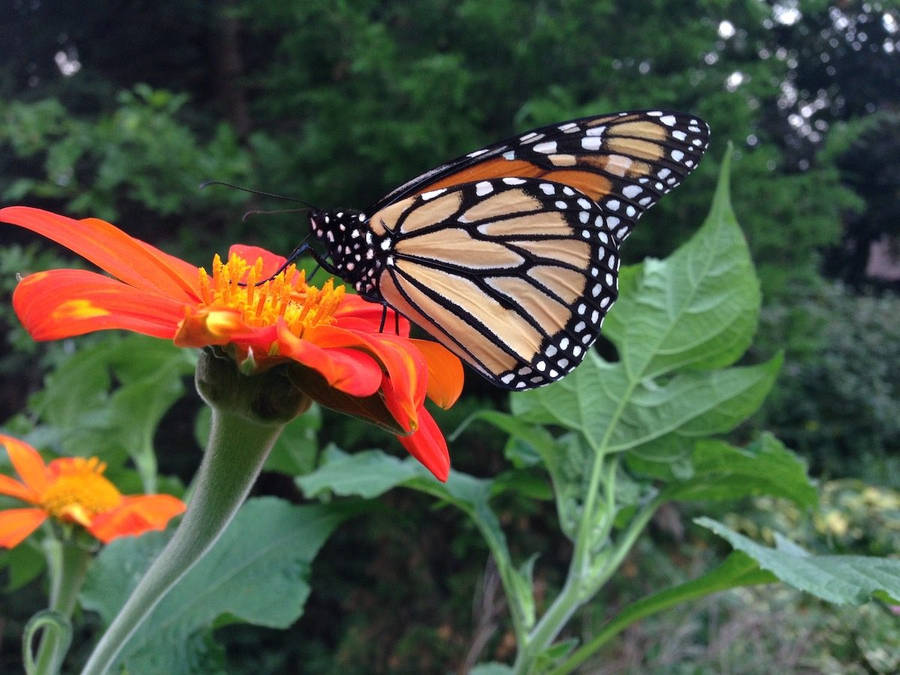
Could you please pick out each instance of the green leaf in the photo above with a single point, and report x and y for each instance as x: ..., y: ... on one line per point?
x: 721, y: 471
x: 696, y: 309
x: 364, y: 474
x: 654, y: 419
x: 23, y: 563
x: 257, y: 572
x: 836, y: 578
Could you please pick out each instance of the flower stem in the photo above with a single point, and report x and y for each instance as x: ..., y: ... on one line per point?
x: 67, y: 563
x: 248, y: 414
x: 234, y: 457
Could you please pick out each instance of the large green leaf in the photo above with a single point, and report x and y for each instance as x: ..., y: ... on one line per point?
x: 649, y: 417
x: 258, y: 572
x: 721, y: 471
x: 836, y: 578
x: 697, y: 308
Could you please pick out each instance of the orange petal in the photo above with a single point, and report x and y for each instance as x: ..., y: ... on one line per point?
x: 63, y: 303
x: 16, y: 524
x: 28, y: 464
x: 349, y: 370
x: 13, y: 488
x: 445, y: 372
x: 405, y: 367
x: 136, y: 515
x: 131, y: 260
x: 358, y: 314
x: 428, y: 446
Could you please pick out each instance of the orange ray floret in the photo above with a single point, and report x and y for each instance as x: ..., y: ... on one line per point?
x: 259, y: 320
x: 74, y: 490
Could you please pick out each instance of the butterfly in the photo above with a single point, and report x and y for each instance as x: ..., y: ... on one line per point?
x: 509, y: 255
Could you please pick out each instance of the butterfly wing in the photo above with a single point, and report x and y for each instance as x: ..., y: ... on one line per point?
x: 509, y: 254
x: 627, y: 159
x: 514, y: 275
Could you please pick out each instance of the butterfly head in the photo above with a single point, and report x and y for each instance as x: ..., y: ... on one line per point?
x: 350, y: 247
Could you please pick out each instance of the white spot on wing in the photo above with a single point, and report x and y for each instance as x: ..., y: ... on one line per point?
x: 431, y: 194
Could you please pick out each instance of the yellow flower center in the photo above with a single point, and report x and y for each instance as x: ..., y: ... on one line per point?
x: 80, y: 491
x: 233, y: 285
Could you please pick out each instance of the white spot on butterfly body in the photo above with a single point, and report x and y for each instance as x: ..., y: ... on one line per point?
x: 613, y: 204
x: 568, y: 127
x: 547, y: 188
x: 477, y: 153
x: 591, y: 143
x: 679, y: 135
x: 668, y: 120
x: 509, y: 154
x: 506, y: 379
x: 631, y: 191
x: 677, y: 155
x: 595, y: 131
x: 584, y: 203
x: 513, y: 181
x: 546, y: 148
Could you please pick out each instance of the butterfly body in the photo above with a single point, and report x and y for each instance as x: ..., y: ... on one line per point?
x: 509, y: 255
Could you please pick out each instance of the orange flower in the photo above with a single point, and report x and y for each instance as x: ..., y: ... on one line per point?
x: 73, y: 489
x: 349, y: 364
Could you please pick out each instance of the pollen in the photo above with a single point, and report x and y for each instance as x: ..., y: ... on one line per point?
x: 235, y: 286
x: 80, y: 490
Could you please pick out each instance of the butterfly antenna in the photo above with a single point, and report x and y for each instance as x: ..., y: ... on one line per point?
x: 272, y: 212
x: 261, y: 193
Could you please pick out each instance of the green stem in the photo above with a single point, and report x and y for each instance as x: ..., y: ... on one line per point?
x: 67, y: 564
x: 236, y: 452
x: 573, y: 593
x: 145, y: 463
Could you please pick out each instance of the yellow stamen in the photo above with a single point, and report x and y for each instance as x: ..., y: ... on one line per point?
x: 80, y: 490
x: 287, y: 296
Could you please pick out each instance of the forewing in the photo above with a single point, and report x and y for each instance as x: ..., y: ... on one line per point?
x: 626, y: 160
x: 513, y: 274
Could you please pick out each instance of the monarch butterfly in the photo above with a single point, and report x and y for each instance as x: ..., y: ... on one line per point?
x: 509, y: 255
